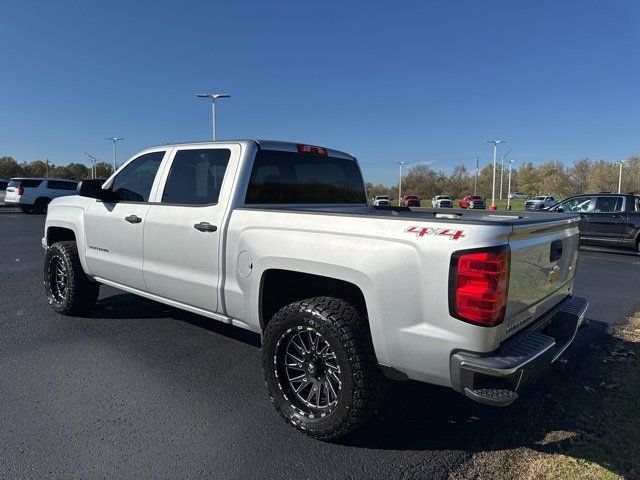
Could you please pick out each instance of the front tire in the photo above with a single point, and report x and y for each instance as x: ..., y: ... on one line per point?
x: 68, y: 289
x: 319, y: 367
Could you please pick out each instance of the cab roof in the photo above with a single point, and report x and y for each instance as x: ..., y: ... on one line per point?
x: 265, y: 145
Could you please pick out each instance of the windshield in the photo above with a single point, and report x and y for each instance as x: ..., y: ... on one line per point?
x: 381, y: 197
x: 540, y: 198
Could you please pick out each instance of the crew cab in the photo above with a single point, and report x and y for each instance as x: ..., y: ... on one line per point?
x: 278, y: 238
x: 473, y: 202
x: 381, y: 201
x: 410, y: 201
x: 540, y: 202
x: 34, y: 194
x: 610, y: 220
x: 442, y: 201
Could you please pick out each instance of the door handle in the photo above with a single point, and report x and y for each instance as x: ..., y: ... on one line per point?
x: 133, y: 219
x: 205, y: 227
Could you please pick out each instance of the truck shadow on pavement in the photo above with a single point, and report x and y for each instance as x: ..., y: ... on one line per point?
x: 123, y: 306
x: 585, y: 409
x: 561, y: 413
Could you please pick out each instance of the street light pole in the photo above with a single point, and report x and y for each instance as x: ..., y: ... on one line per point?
x: 493, y: 188
x: 509, y: 189
x: 213, y: 97
x: 475, y: 186
x: 504, y: 155
x: 620, y: 178
x: 400, y: 183
x: 114, y: 140
x: 93, y: 161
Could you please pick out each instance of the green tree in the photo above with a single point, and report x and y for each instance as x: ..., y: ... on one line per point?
x: 10, y: 168
x: 37, y: 168
x: 603, y: 177
x: 529, y: 179
x: 103, y: 170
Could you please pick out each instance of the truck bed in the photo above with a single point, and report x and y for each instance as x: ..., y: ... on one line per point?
x: 475, y: 217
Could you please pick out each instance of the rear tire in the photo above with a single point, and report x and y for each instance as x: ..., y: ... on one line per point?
x: 41, y: 205
x: 69, y: 290
x: 319, y: 367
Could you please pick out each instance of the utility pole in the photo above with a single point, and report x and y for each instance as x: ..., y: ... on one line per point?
x: 620, y: 178
x: 400, y: 183
x: 47, y: 162
x: 493, y: 188
x: 475, y: 187
x: 504, y: 155
x: 114, y: 140
x: 509, y: 189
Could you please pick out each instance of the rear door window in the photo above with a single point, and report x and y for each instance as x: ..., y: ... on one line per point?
x: 196, y: 176
x: 280, y: 177
x: 134, y: 182
x: 608, y: 205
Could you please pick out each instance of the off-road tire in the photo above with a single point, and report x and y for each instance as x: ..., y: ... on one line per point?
x: 347, y: 332
x: 80, y: 293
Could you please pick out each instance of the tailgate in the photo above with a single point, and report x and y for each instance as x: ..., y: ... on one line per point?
x: 543, y: 264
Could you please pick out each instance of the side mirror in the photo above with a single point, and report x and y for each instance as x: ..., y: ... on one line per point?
x: 560, y: 209
x: 93, y: 189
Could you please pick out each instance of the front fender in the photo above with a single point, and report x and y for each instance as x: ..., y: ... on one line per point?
x: 70, y: 218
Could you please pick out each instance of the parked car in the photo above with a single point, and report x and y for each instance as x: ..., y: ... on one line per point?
x: 473, y: 201
x: 519, y: 195
x: 381, y: 201
x: 605, y: 219
x: 3, y: 189
x: 442, y: 201
x: 540, y: 202
x: 277, y: 238
x: 410, y: 201
x: 34, y: 194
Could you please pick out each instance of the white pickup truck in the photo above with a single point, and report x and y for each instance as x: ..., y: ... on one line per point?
x: 278, y: 238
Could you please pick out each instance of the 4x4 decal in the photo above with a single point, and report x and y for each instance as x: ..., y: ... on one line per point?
x: 445, y: 232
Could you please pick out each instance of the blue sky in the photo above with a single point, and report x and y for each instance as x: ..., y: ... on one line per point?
x: 387, y: 81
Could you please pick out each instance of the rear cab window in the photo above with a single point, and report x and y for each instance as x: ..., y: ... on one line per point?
x: 281, y: 177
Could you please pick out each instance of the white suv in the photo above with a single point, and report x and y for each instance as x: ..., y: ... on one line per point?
x: 34, y: 194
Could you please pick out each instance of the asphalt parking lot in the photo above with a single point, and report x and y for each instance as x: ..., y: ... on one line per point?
x: 142, y: 390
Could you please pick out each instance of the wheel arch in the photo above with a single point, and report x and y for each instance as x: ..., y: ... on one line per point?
x: 66, y: 223
x: 280, y: 287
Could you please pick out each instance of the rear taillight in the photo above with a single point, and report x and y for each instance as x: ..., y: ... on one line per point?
x: 478, y: 285
x: 20, y: 190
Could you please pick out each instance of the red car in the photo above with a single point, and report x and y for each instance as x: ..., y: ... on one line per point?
x: 472, y: 201
x: 410, y: 201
